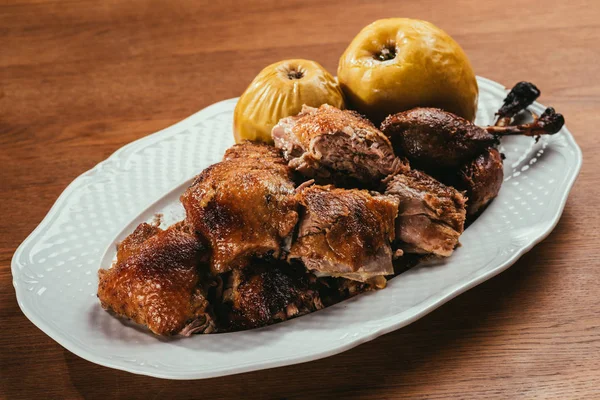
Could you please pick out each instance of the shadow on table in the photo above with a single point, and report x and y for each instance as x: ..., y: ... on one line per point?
x: 397, y: 359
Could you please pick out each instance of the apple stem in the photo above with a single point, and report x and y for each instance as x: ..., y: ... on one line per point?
x: 295, y: 74
x: 386, y: 54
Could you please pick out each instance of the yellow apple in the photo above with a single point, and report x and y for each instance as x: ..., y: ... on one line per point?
x: 397, y: 64
x: 279, y: 91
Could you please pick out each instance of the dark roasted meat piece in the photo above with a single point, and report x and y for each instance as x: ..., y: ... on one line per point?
x: 482, y: 179
x: 346, y: 233
x: 333, y: 145
x: 264, y: 293
x: 332, y: 290
x: 460, y: 153
x: 244, y: 206
x: 157, y: 282
x: 431, y: 215
x: 434, y: 140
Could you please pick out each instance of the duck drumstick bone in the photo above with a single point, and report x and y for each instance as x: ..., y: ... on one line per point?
x: 521, y: 96
x: 460, y: 153
x: 550, y: 122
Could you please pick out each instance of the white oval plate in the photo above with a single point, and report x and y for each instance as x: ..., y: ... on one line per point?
x: 55, y: 268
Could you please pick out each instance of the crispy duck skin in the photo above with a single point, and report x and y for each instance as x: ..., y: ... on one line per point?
x: 346, y: 233
x: 256, y: 152
x: 434, y: 140
x: 482, y: 179
x: 431, y: 215
x: 336, y: 146
x: 460, y: 153
x: 132, y: 243
x: 264, y: 293
x: 244, y: 206
x: 156, y: 281
x: 333, y: 290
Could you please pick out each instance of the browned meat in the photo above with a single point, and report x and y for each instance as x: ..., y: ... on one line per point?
x: 431, y: 215
x: 244, y: 206
x: 482, y: 179
x: 157, y: 282
x: 332, y: 145
x: 346, y: 233
x: 333, y: 290
x: 265, y: 293
x: 269, y: 155
x: 433, y: 139
x: 132, y: 243
x: 458, y: 152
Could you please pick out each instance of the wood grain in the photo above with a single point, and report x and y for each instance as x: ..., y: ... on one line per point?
x: 79, y: 79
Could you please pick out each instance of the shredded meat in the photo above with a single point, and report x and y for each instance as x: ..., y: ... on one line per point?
x: 333, y: 145
x: 431, y: 215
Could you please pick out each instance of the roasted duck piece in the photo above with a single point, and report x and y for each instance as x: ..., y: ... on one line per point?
x: 264, y: 293
x: 481, y: 179
x: 333, y: 145
x: 244, y: 206
x: 431, y: 215
x: 433, y: 139
x: 460, y: 153
x: 157, y: 281
x: 332, y: 290
x: 346, y: 233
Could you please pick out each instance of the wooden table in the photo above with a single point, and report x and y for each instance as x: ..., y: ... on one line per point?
x: 79, y: 79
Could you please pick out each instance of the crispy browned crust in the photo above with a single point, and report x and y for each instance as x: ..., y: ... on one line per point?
x: 265, y: 293
x: 345, y: 231
x: 132, y: 243
x: 156, y: 281
x: 332, y: 290
x: 482, y: 179
x: 329, y: 119
x: 244, y: 206
x: 433, y: 139
x: 254, y: 150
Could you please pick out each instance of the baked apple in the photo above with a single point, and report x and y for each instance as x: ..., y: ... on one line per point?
x: 279, y: 91
x: 397, y: 64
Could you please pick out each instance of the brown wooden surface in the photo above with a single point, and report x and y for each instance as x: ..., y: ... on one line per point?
x: 79, y: 79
